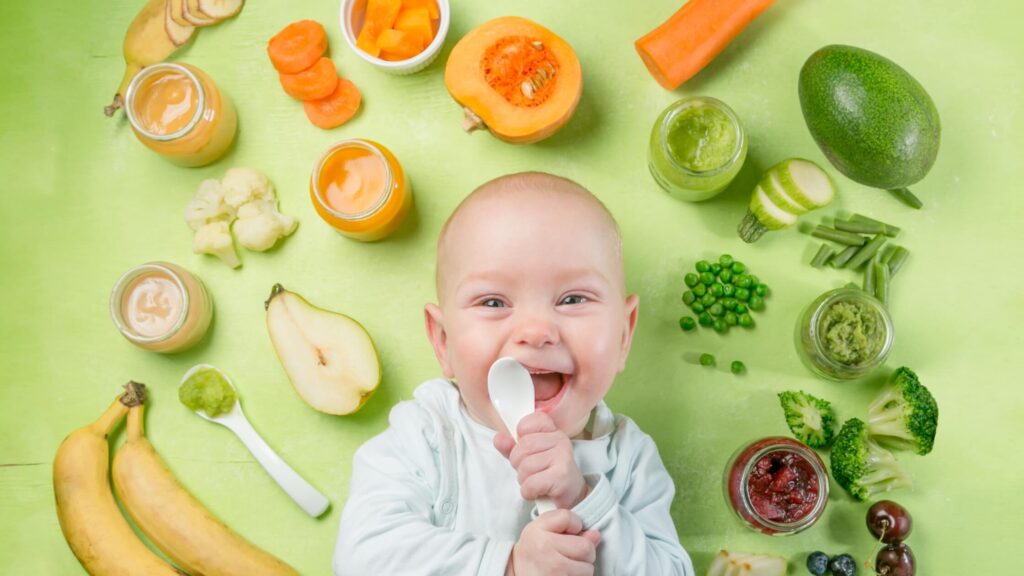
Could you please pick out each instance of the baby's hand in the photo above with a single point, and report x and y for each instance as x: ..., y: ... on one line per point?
x: 554, y: 543
x: 543, y: 461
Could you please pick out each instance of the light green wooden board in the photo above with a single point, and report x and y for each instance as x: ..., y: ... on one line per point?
x: 83, y: 201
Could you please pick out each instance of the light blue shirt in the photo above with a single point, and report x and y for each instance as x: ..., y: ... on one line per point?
x: 431, y: 495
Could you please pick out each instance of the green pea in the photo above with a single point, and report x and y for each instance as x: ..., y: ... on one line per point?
x: 687, y: 323
x: 704, y: 319
x: 719, y: 325
x: 700, y: 290
x: 691, y: 279
x: 697, y: 306
x: 716, y: 309
x: 729, y: 303
x: 725, y: 276
x: 707, y: 278
x: 746, y: 320
x: 689, y: 297
x: 728, y: 290
x: 761, y: 290
x: 707, y: 359
x: 737, y: 367
x: 741, y: 308
x: 731, y: 319
x: 743, y: 282
x: 717, y: 290
x: 716, y: 268
x: 756, y: 303
x: 726, y: 260
x: 738, y: 267
x: 743, y: 294
x: 703, y: 266
x: 754, y: 280
x: 708, y: 299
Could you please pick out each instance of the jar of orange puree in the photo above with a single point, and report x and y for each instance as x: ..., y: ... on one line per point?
x: 179, y: 113
x: 359, y: 188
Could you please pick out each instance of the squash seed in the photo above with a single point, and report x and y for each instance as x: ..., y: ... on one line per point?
x: 537, y: 45
x: 527, y: 89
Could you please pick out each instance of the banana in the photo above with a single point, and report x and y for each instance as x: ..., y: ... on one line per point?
x: 146, y: 42
x: 175, y: 521
x: 92, y: 524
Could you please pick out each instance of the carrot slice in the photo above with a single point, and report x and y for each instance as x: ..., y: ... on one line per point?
x: 317, y: 81
x: 678, y: 49
x: 297, y: 47
x: 430, y: 5
x: 336, y: 109
x: 416, y: 21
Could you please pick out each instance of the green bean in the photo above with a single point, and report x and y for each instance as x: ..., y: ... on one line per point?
x: 890, y: 230
x: 907, y: 197
x: 837, y: 261
x: 898, y: 259
x: 848, y: 238
x: 869, y: 274
x: 887, y: 253
x: 860, y: 227
x: 867, y: 252
x: 707, y: 359
x: 822, y: 257
x: 882, y: 283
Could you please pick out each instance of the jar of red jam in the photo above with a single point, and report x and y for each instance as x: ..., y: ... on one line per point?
x: 776, y: 485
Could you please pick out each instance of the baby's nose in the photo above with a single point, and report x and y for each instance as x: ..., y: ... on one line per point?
x: 536, y: 330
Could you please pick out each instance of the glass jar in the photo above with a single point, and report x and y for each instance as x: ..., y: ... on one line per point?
x: 178, y: 112
x: 697, y: 147
x: 359, y: 188
x: 844, y: 334
x: 161, y: 307
x: 757, y: 471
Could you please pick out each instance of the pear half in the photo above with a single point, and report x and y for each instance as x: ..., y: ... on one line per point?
x: 329, y: 357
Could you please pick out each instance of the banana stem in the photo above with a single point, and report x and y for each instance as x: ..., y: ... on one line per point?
x: 136, y: 425
x: 111, y: 418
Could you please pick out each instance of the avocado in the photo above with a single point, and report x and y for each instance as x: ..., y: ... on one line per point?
x: 875, y: 123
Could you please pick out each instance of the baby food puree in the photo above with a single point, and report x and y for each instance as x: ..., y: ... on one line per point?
x: 207, y: 390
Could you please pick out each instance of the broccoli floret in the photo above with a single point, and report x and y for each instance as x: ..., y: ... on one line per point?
x: 904, y: 415
x: 862, y: 466
x: 811, y: 419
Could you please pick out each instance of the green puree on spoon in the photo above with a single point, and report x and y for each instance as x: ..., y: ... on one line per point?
x: 207, y: 390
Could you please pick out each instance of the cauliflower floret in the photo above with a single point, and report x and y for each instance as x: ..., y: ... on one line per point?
x: 207, y: 205
x: 243, y: 185
x: 215, y: 238
x: 259, y: 225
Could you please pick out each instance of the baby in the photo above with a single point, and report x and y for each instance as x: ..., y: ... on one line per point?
x: 528, y: 266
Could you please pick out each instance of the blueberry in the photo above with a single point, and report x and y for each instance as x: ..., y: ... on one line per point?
x: 843, y: 565
x: 817, y: 563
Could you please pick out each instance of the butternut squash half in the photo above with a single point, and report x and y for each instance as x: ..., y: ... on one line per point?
x: 516, y: 78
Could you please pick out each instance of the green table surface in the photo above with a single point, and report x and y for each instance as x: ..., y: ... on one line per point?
x: 83, y: 201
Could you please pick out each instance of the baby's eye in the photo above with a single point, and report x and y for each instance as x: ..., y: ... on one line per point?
x: 573, y: 299
x: 492, y: 303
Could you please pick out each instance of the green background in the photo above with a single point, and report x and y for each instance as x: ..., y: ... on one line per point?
x: 83, y: 201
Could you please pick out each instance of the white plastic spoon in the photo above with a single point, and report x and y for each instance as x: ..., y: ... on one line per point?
x: 303, y: 493
x: 511, y: 390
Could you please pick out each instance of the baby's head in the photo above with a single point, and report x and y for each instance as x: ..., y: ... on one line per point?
x: 530, y: 266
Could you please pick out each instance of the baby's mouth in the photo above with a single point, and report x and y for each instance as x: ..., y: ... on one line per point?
x: 548, y: 388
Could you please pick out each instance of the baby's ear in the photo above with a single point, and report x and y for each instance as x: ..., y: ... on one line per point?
x: 434, y: 321
x: 632, y: 310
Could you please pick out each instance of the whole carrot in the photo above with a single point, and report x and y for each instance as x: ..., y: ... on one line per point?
x: 675, y: 51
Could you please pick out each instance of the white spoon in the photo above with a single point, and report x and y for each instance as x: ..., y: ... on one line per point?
x: 303, y: 493
x: 511, y: 390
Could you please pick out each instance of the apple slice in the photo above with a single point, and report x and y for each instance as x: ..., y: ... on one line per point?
x: 176, y: 32
x: 745, y: 564
x: 329, y: 357
x: 220, y: 9
x: 192, y: 13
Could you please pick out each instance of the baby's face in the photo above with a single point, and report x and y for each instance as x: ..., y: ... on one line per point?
x: 537, y: 278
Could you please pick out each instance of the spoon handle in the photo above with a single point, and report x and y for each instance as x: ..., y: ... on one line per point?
x: 302, y: 492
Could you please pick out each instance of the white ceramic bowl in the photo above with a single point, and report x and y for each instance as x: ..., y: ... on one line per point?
x: 352, y: 14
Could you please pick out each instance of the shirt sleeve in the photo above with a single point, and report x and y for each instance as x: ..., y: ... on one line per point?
x: 637, y: 533
x: 389, y: 524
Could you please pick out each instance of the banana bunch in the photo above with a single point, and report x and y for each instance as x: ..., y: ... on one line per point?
x: 160, y: 28
x: 177, y: 523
